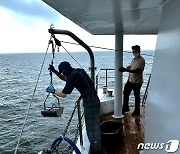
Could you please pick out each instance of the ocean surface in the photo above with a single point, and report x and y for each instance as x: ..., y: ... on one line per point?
x: 18, y: 77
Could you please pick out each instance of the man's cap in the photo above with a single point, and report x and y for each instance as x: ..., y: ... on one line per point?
x: 136, y: 47
x: 64, y: 66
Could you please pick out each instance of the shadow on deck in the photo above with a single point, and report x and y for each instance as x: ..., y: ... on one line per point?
x: 133, y: 134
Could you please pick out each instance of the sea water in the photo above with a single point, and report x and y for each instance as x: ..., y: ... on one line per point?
x: 18, y: 78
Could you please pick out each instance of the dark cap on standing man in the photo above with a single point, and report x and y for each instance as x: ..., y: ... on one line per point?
x: 136, y: 47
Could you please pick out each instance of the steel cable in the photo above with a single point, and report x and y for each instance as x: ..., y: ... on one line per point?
x: 104, y: 48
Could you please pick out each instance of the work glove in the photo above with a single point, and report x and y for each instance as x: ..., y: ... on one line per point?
x: 52, y: 69
x: 122, y: 69
x: 50, y: 89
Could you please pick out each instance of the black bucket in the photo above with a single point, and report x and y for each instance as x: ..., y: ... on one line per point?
x: 111, y: 131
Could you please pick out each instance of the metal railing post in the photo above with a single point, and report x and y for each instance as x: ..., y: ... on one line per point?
x: 146, y: 91
x: 106, y: 77
x: 80, y: 124
x: 97, y: 83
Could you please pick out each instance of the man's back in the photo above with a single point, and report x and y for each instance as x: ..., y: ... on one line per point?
x: 80, y: 80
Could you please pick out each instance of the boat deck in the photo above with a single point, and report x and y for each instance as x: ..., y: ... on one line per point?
x: 133, y: 134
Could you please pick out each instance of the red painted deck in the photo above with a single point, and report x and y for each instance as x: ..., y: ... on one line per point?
x: 133, y: 134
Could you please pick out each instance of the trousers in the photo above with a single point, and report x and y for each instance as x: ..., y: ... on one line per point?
x: 128, y: 88
x: 92, y: 118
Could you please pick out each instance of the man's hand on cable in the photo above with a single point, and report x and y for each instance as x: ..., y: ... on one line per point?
x: 50, y: 89
x: 52, y: 69
x: 122, y: 69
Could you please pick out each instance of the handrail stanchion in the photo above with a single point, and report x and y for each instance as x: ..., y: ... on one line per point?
x: 146, y: 91
x: 96, y: 77
x: 106, y: 77
x: 97, y: 83
x: 80, y: 124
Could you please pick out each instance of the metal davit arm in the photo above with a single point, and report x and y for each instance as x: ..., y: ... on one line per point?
x: 65, y: 32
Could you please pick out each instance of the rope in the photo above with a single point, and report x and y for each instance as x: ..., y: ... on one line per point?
x: 104, y: 48
x: 20, y: 136
x: 72, y: 56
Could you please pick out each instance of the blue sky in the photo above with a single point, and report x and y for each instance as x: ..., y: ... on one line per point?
x: 25, y: 23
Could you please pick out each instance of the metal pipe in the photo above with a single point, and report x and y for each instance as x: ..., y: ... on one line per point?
x: 118, y: 75
x: 80, y: 124
x: 106, y: 77
x: 97, y: 83
x: 65, y: 32
x: 146, y: 91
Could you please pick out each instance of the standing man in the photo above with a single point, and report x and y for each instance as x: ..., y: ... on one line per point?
x: 135, y: 80
x: 79, y: 79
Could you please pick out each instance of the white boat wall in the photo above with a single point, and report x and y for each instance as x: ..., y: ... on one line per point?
x: 107, y: 102
x: 163, y: 102
x: 140, y: 17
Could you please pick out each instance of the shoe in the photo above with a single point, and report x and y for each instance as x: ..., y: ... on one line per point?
x: 135, y: 113
x: 125, y: 110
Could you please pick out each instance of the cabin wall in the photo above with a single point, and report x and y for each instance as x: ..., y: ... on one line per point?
x: 162, y: 121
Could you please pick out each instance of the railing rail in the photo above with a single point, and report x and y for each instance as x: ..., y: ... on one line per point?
x: 106, y: 77
x: 146, y: 91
